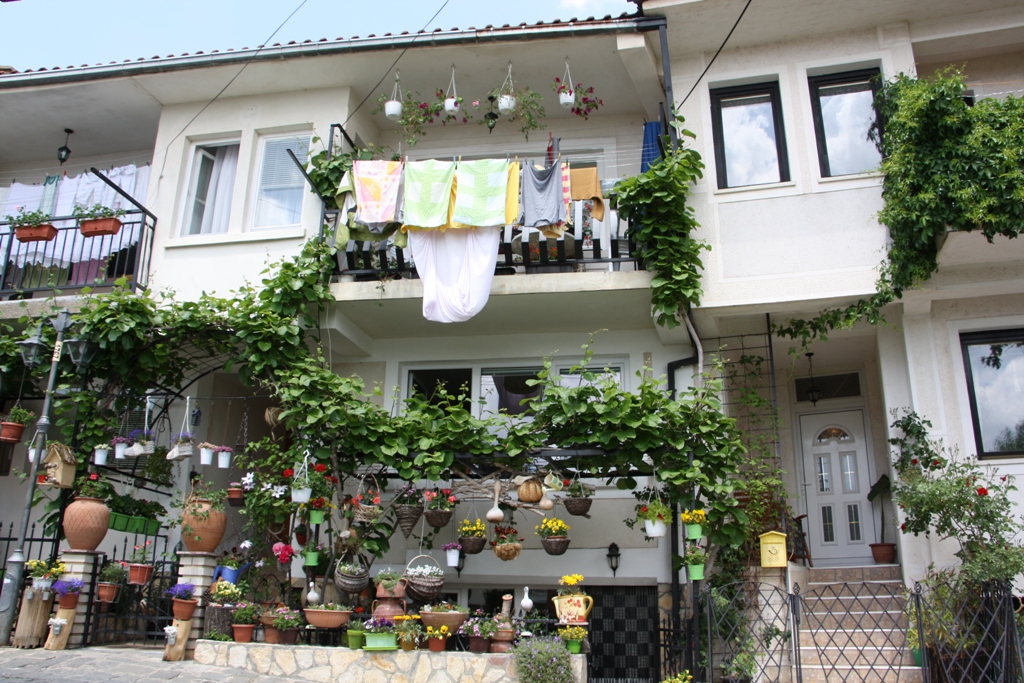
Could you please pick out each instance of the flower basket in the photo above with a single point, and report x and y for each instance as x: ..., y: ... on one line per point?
x: 184, y: 449
x: 555, y: 545
x: 365, y: 514
x: 472, y: 545
x: 438, y: 518
x: 508, y: 551
x: 35, y: 233
x: 577, y: 506
x: 139, y: 574
x: 325, y: 618
x: 99, y: 227
x: 352, y: 583
x: 423, y: 588
x: 407, y: 516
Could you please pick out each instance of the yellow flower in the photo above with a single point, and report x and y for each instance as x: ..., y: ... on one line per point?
x: 571, y: 579
x: 693, y: 516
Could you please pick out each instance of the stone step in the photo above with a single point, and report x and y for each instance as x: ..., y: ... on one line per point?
x: 853, y: 638
x: 842, y: 604
x: 878, y: 572
x: 867, y: 621
x: 817, y: 674
x: 814, y: 589
x: 877, y: 657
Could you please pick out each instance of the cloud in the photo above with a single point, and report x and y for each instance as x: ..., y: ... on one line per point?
x: 595, y: 6
x: 847, y: 118
x: 751, y: 157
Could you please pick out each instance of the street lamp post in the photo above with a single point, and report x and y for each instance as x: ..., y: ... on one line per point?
x: 16, y: 562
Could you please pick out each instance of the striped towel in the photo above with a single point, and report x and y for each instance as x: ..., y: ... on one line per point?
x: 428, y: 189
x: 377, y: 184
x: 480, y: 198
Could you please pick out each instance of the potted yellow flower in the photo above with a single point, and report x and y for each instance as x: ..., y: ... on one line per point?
x: 472, y: 536
x: 694, y: 521
x: 553, y: 534
x: 572, y: 604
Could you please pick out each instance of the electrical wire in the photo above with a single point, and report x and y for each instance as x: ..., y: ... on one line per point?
x: 720, y: 48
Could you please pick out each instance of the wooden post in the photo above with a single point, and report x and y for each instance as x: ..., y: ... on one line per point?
x: 60, y: 640
x: 197, y: 569
x: 35, y: 612
x: 176, y: 652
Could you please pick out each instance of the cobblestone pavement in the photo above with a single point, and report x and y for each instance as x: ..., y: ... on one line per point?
x: 122, y: 665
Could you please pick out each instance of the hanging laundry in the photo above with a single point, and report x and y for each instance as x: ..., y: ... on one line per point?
x: 543, y: 205
x: 651, y: 149
x: 428, y: 193
x: 566, y: 192
x: 586, y: 185
x: 457, y: 268
x: 377, y: 184
x: 480, y: 195
x: 512, y: 194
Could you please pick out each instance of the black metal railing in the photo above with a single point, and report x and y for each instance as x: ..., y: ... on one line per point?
x: 749, y: 631
x: 39, y: 544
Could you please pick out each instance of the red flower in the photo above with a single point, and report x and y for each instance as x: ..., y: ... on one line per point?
x: 446, y: 491
x: 982, y: 491
x: 319, y: 503
x: 566, y: 482
x: 321, y: 467
x: 94, y: 476
x: 288, y: 473
x: 333, y: 479
x: 643, y: 508
x: 914, y: 461
x: 360, y: 609
x: 1002, y: 478
x: 903, y: 527
x: 935, y: 463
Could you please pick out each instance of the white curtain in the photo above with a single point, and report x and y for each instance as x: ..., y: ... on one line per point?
x: 218, y: 198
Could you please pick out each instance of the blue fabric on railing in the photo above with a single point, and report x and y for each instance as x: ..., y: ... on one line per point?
x: 651, y: 151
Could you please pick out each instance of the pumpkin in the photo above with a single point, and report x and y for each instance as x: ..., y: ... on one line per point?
x: 531, y: 491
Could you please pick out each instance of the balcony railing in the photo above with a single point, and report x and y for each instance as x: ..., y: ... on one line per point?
x: 71, y: 260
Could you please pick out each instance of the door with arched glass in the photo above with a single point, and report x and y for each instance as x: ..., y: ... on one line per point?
x: 839, y: 525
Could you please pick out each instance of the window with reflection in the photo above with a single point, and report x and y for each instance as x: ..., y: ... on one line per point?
x: 750, y: 142
x: 994, y: 366
x: 843, y: 106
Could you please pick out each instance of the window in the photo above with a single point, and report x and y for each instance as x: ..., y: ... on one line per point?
x: 504, y: 389
x: 843, y: 117
x: 453, y: 381
x: 750, y: 143
x: 994, y: 365
x: 208, y: 204
x: 280, y: 191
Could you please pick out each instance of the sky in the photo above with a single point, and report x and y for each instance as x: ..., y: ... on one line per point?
x: 48, y: 33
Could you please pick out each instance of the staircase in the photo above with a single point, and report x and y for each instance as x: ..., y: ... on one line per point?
x: 853, y: 627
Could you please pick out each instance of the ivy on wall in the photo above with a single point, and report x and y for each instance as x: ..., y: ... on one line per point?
x: 947, y: 166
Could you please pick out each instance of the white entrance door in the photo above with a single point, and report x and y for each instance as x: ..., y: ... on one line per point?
x: 839, y: 521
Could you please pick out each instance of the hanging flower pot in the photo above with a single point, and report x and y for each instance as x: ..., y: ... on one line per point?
x: 408, y: 515
x: 452, y: 557
x: 205, y: 456
x: 567, y: 99
x: 473, y: 545
x: 301, y: 495
x: 236, y: 495
x: 139, y: 574
x: 224, y: 457
x: 316, y: 516
x: 107, y: 592
x: 695, y: 572
x: 120, y: 449
x: 10, y: 432
x: 451, y: 105
x: 43, y: 232
x: 694, y: 532
x: 506, y: 104
x: 654, y: 528
x: 99, y: 456
x: 312, y: 558
x: 438, y: 518
x: 393, y: 110
x: 555, y: 545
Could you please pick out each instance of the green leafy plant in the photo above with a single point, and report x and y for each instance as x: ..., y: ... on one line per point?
x: 93, y: 486
x: 388, y: 578
x: 245, y: 613
x: 218, y: 636
x: 695, y: 555
x: 113, y: 572
x: 19, y: 415
x: 543, y: 660
x: 27, y: 219
x: 96, y: 211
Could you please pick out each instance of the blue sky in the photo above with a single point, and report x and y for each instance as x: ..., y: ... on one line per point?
x: 48, y: 33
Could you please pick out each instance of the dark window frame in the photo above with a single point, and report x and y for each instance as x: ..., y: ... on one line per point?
x: 974, y: 339
x: 769, y: 88
x: 815, y: 83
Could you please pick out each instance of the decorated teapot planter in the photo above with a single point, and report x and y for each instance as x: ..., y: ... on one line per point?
x: 573, y: 609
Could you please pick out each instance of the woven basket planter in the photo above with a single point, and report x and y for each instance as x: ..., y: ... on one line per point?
x: 556, y: 545
x: 577, y: 506
x: 408, y: 515
x: 508, y: 551
x: 472, y: 545
x: 438, y: 518
x: 351, y: 583
x: 364, y: 514
x: 423, y: 588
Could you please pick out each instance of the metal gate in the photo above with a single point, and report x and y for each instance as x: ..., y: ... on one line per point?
x: 624, y: 634
x: 749, y: 631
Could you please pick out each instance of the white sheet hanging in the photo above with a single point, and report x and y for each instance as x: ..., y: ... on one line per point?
x: 456, y: 267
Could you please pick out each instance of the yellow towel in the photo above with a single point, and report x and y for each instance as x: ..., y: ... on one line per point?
x: 512, y: 194
x: 586, y: 185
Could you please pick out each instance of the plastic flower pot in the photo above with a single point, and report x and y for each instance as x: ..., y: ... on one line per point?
x: 695, y: 572
x: 437, y: 644
x: 236, y: 496
x: 355, y: 639
x: 375, y: 640
x: 223, y: 460
x: 655, y: 528
x: 35, y: 233
x: 312, y: 559
x: 99, y: 456
x: 574, y: 646
x: 478, y: 645
x: 567, y: 99
x: 506, y: 104
x: 10, y: 432
x: 243, y: 632
x: 301, y: 495
x: 393, y: 110
x: 205, y: 456
x: 451, y: 105
x: 107, y: 592
x: 694, y: 532
x: 99, y: 227
x: 69, y: 601
x: 119, y: 450
x: 139, y: 574
x: 316, y: 516
x: 453, y: 557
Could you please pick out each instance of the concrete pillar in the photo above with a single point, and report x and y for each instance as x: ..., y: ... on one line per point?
x: 80, y: 564
x: 197, y: 569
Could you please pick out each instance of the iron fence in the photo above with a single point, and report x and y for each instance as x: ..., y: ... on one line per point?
x: 749, y: 631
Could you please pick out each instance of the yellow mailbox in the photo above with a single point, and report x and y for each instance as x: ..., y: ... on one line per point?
x: 773, y: 549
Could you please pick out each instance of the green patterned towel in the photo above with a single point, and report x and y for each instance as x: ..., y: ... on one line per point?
x: 428, y: 190
x: 480, y: 189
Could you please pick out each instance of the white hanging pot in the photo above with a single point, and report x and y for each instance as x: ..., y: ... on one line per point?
x: 506, y: 104
x: 302, y: 495
x: 567, y: 99
x: 172, y: 638
x: 393, y: 109
x: 451, y: 105
x: 452, y: 557
x: 223, y: 460
x: 119, y: 450
x: 205, y: 456
x: 99, y: 456
x: 654, y: 528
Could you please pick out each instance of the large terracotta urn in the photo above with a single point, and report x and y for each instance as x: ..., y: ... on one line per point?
x: 202, y: 527
x: 85, y: 523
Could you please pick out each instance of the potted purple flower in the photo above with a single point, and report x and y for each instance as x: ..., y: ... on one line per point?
x: 68, y: 592
x: 183, y: 602
x: 452, y: 551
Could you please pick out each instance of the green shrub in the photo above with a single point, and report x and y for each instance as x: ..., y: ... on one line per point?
x: 543, y: 660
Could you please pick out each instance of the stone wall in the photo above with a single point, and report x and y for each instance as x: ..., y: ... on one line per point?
x: 341, y: 665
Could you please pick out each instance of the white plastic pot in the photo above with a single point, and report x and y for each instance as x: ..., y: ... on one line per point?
x: 119, y: 450
x: 506, y: 104
x: 99, y: 456
x: 654, y: 528
x: 451, y: 105
x: 205, y: 456
x: 567, y: 99
x: 302, y: 495
x: 453, y: 557
x: 393, y: 109
x: 223, y: 460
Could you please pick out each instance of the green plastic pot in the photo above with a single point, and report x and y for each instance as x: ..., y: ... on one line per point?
x: 312, y: 558
x: 694, y: 532
x: 136, y: 525
x: 118, y: 522
x: 355, y: 640
x: 574, y: 646
x: 152, y: 527
x: 381, y: 640
x: 695, y: 572
x: 316, y: 516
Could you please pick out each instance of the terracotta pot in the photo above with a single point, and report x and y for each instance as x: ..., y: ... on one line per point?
x: 204, y: 535
x: 884, y: 553
x: 140, y: 574
x: 10, y: 432
x: 35, y: 233
x: 453, y: 620
x: 388, y: 608
x: 397, y: 592
x: 183, y: 609
x: 324, y: 618
x: 107, y: 592
x: 85, y: 523
x: 437, y: 644
x: 289, y: 636
x: 69, y: 601
x: 96, y: 227
x: 243, y: 632
x: 236, y: 497
x: 407, y: 644
x: 271, y: 635
x: 479, y: 645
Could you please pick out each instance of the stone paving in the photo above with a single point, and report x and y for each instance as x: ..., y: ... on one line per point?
x: 120, y: 665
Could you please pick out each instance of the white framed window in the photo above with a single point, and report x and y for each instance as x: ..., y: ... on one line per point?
x: 280, y: 187
x: 211, y: 183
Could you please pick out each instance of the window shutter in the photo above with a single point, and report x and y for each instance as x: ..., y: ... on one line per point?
x: 278, y: 170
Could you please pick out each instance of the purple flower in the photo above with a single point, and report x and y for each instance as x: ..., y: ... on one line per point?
x: 69, y: 587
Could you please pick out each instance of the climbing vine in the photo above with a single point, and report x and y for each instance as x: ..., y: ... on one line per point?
x: 947, y: 166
